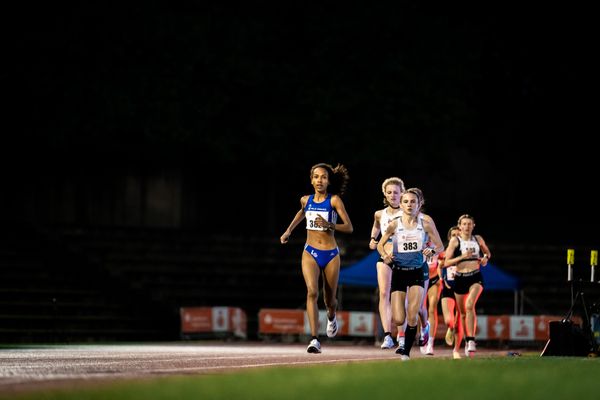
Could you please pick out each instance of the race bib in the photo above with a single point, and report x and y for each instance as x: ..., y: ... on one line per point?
x: 311, y: 217
x: 410, y: 243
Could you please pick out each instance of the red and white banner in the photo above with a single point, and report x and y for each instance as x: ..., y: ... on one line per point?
x: 351, y: 323
x: 514, y: 327
x: 274, y: 320
x: 214, y: 320
x: 366, y: 324
x: 290, y: 321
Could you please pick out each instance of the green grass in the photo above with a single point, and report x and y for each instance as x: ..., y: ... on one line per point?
x: 528, y: 377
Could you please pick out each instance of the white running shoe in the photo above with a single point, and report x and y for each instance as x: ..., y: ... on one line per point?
x: 388, y: 342
x: 470, y: 348
x: 404, y: 357
x: 450, y: 337
x: 314, y: 346
x: 456, y: 355
x: 429, y: 348
x: 332, y: 327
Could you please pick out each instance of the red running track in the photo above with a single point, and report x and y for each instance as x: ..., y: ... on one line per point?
x: 36, y: 367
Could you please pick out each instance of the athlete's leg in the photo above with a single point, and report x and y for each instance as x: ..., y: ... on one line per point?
x: 460, y: 320
x: 471, y: 317
x: 433, y: 296
x: 384, y: 281
x: 311, y: 273
x: 331, y: 275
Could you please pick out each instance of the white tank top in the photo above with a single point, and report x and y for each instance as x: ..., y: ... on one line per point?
x: 385, y: 219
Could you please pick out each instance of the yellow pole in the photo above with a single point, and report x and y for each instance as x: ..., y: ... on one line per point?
x: 593, y: 264
x: 570, y: 262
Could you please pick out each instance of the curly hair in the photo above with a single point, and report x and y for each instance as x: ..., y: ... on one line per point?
x: 338, y: 177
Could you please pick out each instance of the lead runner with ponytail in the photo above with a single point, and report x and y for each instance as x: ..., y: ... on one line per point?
x: 321, y: 254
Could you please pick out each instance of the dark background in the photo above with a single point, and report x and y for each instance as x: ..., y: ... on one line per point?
x: 490, y: 110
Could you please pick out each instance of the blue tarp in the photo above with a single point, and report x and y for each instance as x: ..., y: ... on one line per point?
x: 364, y: 273
x: 495, y: 278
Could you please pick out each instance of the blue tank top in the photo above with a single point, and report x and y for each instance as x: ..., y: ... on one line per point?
x: 324, y: 209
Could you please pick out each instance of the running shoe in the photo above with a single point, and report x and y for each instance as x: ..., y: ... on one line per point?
x: 388, y: 342
x: 456, y: 355
x: 400, y: 348
x: 332, y: 327
x: 424, y: 338
x: 450, y: 337
x: 429, y: 348
x: 314, y: 346
x: 402, y: 352
x: 470, y: 348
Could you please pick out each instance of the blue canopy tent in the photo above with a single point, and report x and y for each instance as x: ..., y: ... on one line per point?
x: 363, y: 273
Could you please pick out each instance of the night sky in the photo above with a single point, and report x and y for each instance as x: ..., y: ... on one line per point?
x: 488, y: 110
